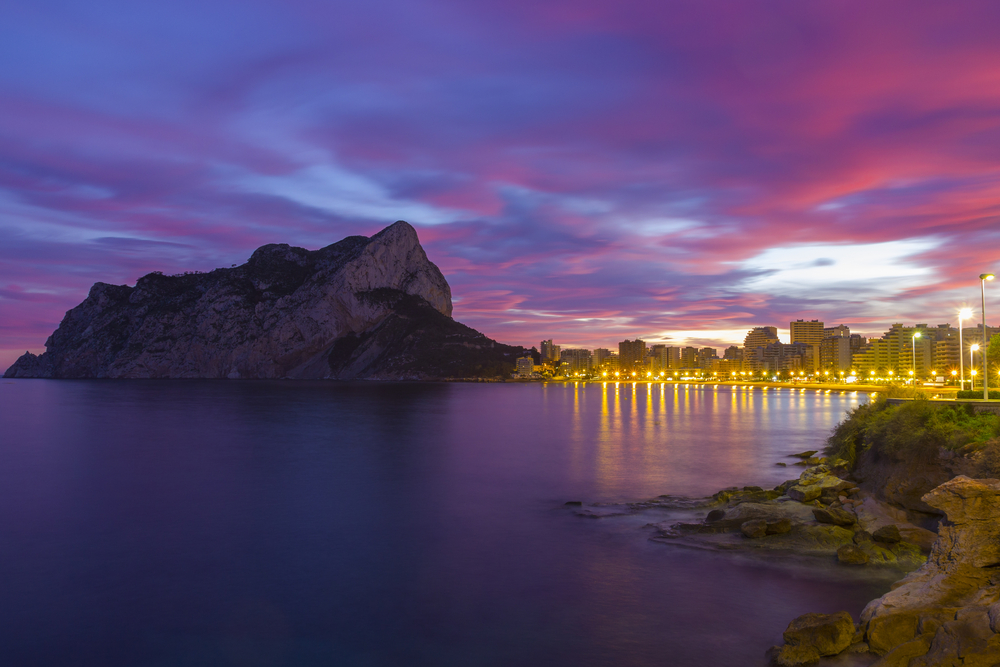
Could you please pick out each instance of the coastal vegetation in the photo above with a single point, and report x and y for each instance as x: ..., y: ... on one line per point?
x: 916, y: 430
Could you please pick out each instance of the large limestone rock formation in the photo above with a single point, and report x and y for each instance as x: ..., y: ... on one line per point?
x: 948, y: 611
x: 363, y: 307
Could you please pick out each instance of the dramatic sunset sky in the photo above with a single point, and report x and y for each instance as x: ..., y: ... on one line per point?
x: 584, y: 171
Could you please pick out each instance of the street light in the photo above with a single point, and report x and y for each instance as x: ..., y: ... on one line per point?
x: 972, y: 365
x: 964, y: 314
x: 983, y: 277
x: 914, y: 371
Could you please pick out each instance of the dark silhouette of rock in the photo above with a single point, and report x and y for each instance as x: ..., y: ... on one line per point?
x: 360, y: 308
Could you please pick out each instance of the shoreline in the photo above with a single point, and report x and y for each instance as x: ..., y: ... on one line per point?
x: 945, y: 393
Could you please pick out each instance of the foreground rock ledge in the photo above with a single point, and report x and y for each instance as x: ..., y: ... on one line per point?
x: 947, y: 612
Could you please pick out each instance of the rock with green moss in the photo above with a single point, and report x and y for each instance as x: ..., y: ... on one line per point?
x: 812, y: 636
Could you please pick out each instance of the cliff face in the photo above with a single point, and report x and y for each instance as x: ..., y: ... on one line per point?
x: 363, y: 307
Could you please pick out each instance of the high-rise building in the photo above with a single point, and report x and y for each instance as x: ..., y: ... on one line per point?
x: 808, y: 332
x: 898, y: 352
x: 600, y: 357
x: 706, y: 357
x: 579, y: 360
x: 689, y: 358
x: 631, y: 354
x: 760, y: 337
x: 550, y: 352
x: 835, y: 354
x: 841, y: 330
x: 525, y: 367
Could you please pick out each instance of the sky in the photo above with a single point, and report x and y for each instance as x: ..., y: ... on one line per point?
x: 582, y: 171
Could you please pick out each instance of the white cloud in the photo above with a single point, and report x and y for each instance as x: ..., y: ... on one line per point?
x: 332, y: 188
x: 868, y: 267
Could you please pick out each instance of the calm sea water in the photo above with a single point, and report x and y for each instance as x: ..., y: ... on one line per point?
x: 297, y: 523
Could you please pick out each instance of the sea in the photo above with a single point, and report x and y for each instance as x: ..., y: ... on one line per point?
x: 210, y: 523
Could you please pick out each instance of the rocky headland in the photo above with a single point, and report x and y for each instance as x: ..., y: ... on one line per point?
x: 364, y: 307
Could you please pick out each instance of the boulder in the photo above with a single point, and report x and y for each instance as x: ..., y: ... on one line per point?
x: 804, y: 494
x: 862, y: 536
x: 754, y: 528
x: 796, y: 656
x: 973, y: 510
x: 837, y: 517
x: 851, y: 554
x: 888, y: 534
x: 804, y: 455
x: 715, y: 515
x: 829, y: 634
x: 779, y: 527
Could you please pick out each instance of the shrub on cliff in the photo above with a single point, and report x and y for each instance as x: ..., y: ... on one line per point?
x: 914, y: 430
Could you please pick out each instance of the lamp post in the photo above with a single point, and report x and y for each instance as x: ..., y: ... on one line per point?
x: 964, y: 314
x: 983, y: 277
x: 916, y: 335
x: 972, y: 365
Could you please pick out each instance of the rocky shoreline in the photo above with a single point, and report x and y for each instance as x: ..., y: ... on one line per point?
x: 944, y: 611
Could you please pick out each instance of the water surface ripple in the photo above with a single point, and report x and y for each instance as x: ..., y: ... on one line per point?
x: 213, y: 523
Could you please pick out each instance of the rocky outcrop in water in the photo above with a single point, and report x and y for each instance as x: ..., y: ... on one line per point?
x: 817, y: 515
x: 361, y: 308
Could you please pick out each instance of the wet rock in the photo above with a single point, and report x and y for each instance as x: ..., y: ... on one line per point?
x: 837, y: 517
x: 813, y: 636
x: 888, y: 534
x: 754, y: 528
x: 804, y: 494
x: 573, y: 503
x: 829, y: 634
x: 795, y: 656
x: 828, y: 496
x: 804, y: 455
x: 851, y: 554
x: 873, y: 514
x: 862, y: 536
x: 783, y: 465
x: 779, y: 527
x: 715, y: 515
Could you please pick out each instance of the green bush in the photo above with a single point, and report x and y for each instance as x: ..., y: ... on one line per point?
x: 994, y: 395
x: 915, y: 429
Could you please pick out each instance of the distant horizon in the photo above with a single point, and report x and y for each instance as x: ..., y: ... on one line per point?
x: 589, y: 170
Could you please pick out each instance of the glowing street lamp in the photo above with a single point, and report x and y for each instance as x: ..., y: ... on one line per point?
x: 964, y: 314
x: 972, y: 365
x: 916, y: 335
x: 983, y: 277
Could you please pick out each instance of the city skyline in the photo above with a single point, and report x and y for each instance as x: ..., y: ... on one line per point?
x: 586, y: 171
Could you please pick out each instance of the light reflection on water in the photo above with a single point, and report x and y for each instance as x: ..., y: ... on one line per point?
x: 268, y: 523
